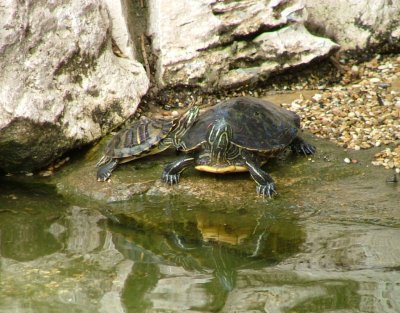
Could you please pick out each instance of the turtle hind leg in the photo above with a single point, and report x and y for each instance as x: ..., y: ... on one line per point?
x: 104, y: 171
x: 172, y: 171
x: 299, y: 146
x: 265, y: 183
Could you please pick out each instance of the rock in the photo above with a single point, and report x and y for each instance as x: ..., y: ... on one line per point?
x: 357, y: 25
x: 120, y: 33
x: 61, y: 85
x: 228, y: 44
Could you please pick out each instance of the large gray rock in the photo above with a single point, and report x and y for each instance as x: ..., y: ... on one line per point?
x: 61, y: 86
x: 357, y: 25
x: 215, y: 44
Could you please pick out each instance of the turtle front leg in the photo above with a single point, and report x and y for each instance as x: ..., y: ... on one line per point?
x: 299, y: 146
x: 104, y: 171
x: 265, y: 183
x: 172, y: 171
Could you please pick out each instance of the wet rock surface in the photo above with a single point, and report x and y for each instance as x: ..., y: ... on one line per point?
x: 324, y: 182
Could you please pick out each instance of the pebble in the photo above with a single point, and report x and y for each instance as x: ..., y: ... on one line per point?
x: 46, y: 173
x: 347, y: 160
x: 317, y: 97
x: 355, y: 71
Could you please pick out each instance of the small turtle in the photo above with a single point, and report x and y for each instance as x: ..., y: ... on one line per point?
x: 239, y: 135
x: 144, y: 137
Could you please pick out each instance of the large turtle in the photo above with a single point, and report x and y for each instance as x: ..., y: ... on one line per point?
x: 145, y: 137
x: 239, y: 135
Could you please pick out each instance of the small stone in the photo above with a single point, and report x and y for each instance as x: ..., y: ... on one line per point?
x: 317, y: 97
x: 384, y: 85
x: 374, y: 80
x: 46, y: 173
x: 347, y: 160
x: 354, y: 161
x: 174, y: 113
x: 355, y: 71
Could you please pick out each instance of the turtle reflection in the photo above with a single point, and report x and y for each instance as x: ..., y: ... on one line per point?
x: 210, y: 248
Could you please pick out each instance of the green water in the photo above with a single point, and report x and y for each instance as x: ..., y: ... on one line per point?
x: 57, y: 257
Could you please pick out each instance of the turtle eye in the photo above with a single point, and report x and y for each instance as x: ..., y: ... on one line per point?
x: 256, y: 113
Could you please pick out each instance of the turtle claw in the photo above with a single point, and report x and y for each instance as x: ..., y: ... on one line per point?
x: 308, y: 149
x: 266, y: 190
x: 102, y: 178
x: 170, y: 179
x: 302, y: 147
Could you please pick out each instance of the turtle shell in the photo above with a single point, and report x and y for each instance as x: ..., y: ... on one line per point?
x: 137, y: 139
x: 257, y: 125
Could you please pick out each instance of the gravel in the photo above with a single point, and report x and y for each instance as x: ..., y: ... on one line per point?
x: 361, y: 112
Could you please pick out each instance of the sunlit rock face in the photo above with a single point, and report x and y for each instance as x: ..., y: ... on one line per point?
x: 357, y: 25
x: 215, y: 44
x: 61, y: 86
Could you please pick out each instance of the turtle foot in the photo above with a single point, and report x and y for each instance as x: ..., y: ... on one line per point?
x: 172, y: 171
x: 104, y: 172
x: 299, y: 146
x: 266, y: 190
x: 170, y: 179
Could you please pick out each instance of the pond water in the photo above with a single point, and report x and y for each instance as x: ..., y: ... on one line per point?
x: 58, y: 257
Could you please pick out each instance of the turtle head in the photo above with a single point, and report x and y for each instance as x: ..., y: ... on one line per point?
x: 189, y: 117
x: 183, y: 124
x: 219, y: 138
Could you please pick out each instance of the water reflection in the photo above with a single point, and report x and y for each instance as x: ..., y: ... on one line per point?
x: 192, y: 258
x: 176, y: 256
